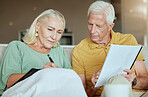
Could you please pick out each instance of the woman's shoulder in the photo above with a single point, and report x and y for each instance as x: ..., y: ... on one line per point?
x: 16, y: 45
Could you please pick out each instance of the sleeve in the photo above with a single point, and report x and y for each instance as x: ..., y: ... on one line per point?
x: 77, y: 64
x: 133, y: 41
x: 11, y: 62
x: 66, y: 60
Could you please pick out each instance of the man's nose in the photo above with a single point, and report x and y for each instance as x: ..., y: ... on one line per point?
x: 93, y: 29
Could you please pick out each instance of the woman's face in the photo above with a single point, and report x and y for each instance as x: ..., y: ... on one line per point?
x: 49, y: 31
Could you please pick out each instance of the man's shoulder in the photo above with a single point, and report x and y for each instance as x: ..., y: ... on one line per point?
x: 124, y: 37
x: 83, y: 44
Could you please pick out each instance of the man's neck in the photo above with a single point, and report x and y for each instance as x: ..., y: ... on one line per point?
x: 105, y: 41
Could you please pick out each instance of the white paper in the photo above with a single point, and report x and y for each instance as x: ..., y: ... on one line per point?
x: 118, y: 58
x: 49, y: 82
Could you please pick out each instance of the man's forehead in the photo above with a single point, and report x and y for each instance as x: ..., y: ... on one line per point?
x: 99, y: 15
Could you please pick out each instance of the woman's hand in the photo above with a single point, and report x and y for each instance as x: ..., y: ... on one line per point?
x: 50, y: 65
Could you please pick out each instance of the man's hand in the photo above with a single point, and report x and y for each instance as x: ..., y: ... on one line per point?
x: 129, y: 76
x: 50, y: 65
x: 92, y: 91
x: 95, y: 77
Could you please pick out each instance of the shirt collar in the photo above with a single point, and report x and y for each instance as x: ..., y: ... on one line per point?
x: 113, y: 40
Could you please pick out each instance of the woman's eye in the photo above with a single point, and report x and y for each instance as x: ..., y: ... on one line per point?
x: 60, y: 32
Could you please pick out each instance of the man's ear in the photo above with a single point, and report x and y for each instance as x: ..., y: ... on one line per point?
x: 111, y: 26
x: 37, y: 26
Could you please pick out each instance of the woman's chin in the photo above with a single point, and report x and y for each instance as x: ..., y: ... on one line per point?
x: 49, y: 46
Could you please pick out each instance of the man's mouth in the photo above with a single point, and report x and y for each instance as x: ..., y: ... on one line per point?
x: 93, y: 36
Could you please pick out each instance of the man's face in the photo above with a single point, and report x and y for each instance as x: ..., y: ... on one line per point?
x: 98, y: 29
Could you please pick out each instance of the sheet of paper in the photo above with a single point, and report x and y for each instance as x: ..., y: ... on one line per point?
x: 119, y: 58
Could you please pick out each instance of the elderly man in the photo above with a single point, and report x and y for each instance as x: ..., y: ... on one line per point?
x: 89, y: 55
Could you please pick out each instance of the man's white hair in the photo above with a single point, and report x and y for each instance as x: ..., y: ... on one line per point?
x: 99, y: 7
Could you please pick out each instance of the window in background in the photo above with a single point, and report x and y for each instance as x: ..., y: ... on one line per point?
x: 134, y: 18
x: 131, y: 18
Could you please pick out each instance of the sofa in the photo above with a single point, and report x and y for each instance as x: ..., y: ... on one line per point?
x: 68, y: 50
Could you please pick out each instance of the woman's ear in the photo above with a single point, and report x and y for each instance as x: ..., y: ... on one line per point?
x: 111, y: 26
x: 37, y: 26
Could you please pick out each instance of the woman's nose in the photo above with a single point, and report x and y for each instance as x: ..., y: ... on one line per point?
x: 54, y: 35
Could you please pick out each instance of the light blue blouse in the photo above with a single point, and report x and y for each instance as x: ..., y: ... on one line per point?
x: 20, y: 58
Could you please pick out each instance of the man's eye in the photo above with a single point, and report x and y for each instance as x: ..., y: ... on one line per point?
x: 98, y: 26
x: 90, y: 24
x: 50, y: 29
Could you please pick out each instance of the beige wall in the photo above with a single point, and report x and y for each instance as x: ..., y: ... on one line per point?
x: 16, y: 15
x: 134, y: 18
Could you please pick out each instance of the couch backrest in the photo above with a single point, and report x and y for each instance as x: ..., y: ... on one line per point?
x: 2, y: 50
x: 68, y: 50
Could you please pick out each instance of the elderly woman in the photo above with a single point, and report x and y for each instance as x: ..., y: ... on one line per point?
x: 39, y: 46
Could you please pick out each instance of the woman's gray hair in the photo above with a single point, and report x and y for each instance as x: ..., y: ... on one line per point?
x: 99, y: 7
x: 30, y: 36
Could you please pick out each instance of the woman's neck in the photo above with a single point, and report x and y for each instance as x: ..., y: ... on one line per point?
x: 39, y: 47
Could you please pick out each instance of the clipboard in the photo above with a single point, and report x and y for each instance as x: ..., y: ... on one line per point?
x: 118, y: 58
x: 136, y: 57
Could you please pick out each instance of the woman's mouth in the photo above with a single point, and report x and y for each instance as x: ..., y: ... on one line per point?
x: 50, y: 41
